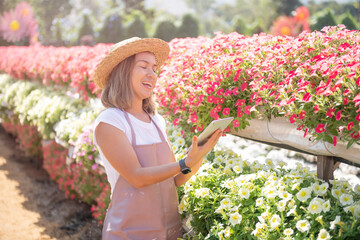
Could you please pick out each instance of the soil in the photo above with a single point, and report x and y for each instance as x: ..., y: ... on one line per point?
x: 31, y: 205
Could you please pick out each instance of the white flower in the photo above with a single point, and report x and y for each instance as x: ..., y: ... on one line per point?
x: 357, y: 211
x: 281, y: 205
x: 259, y: 202
x: 285, y: 195
x: 303, y: 225
x: 292, y: 211
x: 258, y: 228
x: 323, y: 235
x: 304, y: 194
x: 333, y: 223
x: 235, y: 218
x: 336, y: 193
x: 346, y: 199
x: 275, y: 221
x: 182, y: 205
x: 326, y: 206
x: 244, y: 193
x: 237, y: 169
x: 228, y: 183
x: 202, y: 192
x: 323, y: 188
x: 270, y: 192
x: 288, y: 231
x: 227, y: 232
x: 315, y: 206
x: 188, y: 221
x: 225, y: 203
x: 357, y: 188
x: 180, y: 141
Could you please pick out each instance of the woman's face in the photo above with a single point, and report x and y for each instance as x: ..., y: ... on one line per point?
x: 143, y: 77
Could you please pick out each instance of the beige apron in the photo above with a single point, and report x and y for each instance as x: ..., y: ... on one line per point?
x: 145, y: 213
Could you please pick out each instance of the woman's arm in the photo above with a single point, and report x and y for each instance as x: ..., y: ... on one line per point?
x: 119, y: 152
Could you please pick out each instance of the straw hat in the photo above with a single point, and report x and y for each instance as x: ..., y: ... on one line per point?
x: 127, y: 48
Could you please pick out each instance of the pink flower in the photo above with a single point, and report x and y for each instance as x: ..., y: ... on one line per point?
x: 226, y: 111
x: 334, y: 141
x: 240, y: 103
x: 220, y: 92
x: 243, y: 86
x: 236, y: 123
x: 349, y: 126
x: 316, y: 108
x: 307, y: 97
x: 176, y: 121
x: 247, y: 110
x: 302, y: 114
x: 239, y: 113
x: 346, y: 101
x: 330, y: 112
x: 320, y: 128
x: 357, y: 118
x: 306, y: 132
x: 293, y: 118
x: 210, y: 98
x: 194, y: 118
x: 338, y: 115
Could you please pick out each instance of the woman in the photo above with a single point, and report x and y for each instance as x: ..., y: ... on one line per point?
x: 131, y: 137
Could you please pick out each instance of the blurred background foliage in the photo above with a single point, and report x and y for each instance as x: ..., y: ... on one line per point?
x: 87, y: 22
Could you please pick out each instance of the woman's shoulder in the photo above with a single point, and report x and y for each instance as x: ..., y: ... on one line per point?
x: 112, y: 113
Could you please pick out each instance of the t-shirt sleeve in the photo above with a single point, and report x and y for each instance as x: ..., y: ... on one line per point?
x: 112, y: 117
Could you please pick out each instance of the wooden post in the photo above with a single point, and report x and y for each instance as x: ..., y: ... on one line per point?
x: 326, y: 166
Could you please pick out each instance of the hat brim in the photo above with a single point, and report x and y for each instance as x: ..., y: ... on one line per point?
x: 125, y: 49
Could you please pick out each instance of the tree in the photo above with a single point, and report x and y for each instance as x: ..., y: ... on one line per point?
x: 166, y: 30
x: 189, y: 27
x: 137, y: 28
x: 285, y: 7
x: 349, y: 22
x: 323, y: 19
x: 86, y: 28
x: 112, y: 30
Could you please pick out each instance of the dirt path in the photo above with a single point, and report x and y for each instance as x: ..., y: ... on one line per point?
x: 32, y: 207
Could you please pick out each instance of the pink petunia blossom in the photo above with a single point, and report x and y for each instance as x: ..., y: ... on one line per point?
x: 320, y: 128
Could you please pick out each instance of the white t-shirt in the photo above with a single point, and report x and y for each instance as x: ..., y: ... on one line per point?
x: 145, y: 133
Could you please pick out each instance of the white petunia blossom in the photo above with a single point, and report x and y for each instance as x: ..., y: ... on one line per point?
x: 235, y: 218
x: 244, y: 193
x: 202, y: 192
x: 333, y: 223
x: 315, y: 206
x: 303, y: 225
x: 275, y: 221
x: 288, y: 231
x: 323, y: 235
x: 281, y: 206
x: 346, y: 199
x: 304, y: 194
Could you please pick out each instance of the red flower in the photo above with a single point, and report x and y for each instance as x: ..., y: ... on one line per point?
x: 247, y: 110
x: 226, y: 111
x: 240, y: 103
x: 338, y: 115
x: 358, y: 81
x: 357, y: 118
x: 236, y: 123
x: 194, y: 118
x: 306, y: 132
x: 210, y: 99
x: 293, y: 118
x: 302, y: 114
x: 349, y: 126
x: 243, y: 86
x: 235, y: 91
x: 334, y: 141
x: 316, y: 108
x: 220, y: 92
x: 330, y: 112
x: 307, y: 97
x: 239, y: 113
x: 346, y: 101
x: 320, y: 128
x: 176, y: 121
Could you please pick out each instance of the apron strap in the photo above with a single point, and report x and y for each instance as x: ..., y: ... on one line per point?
x: 133, y: 137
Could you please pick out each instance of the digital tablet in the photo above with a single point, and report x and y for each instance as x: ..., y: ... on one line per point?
x: 213, y: 126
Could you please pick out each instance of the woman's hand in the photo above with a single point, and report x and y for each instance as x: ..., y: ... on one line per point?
x: 197, y: 153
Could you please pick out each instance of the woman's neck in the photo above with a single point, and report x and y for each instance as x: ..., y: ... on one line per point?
x: 137, y: 111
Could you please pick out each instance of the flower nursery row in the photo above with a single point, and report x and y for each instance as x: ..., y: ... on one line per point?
x: 230, y: 198
x: 313, y: 80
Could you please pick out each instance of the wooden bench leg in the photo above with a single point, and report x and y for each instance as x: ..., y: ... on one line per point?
x: 326, y: 166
